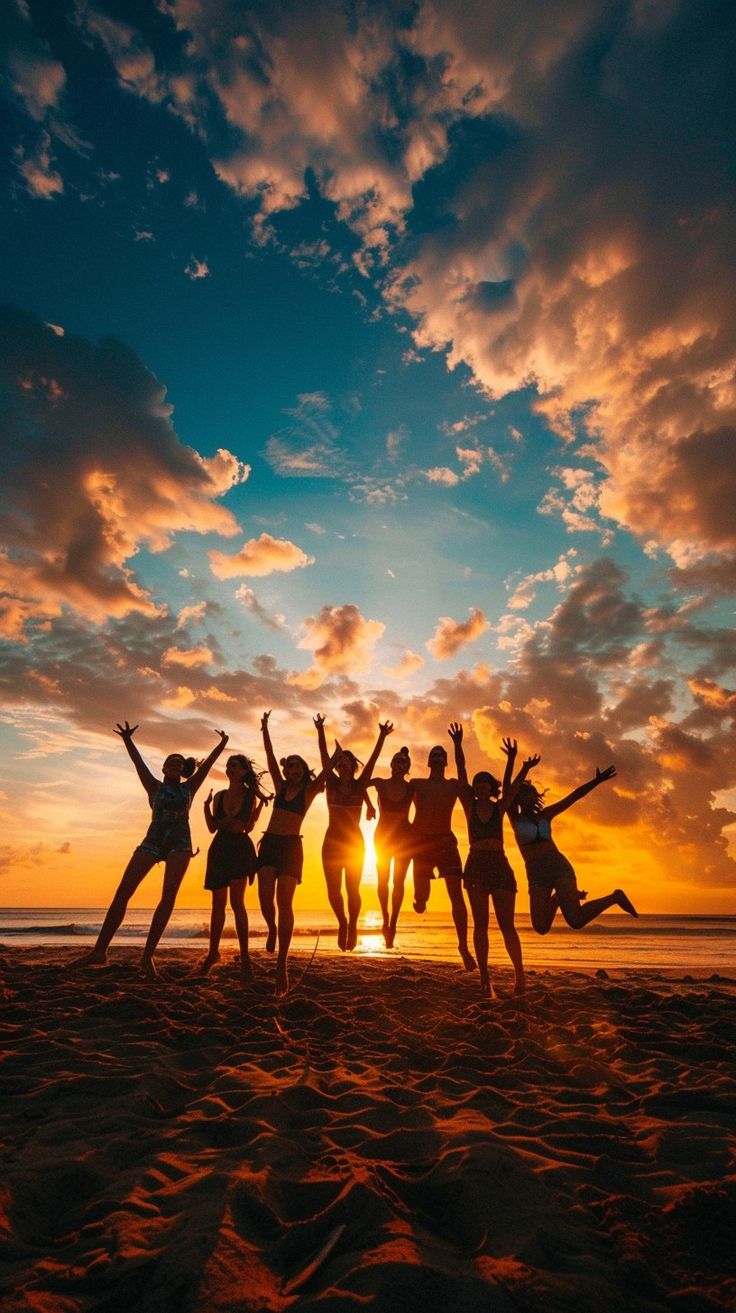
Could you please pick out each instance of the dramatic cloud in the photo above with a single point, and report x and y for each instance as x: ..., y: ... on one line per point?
x: 258, y: 557
x: 452, y: 635
x: 92, y: 470
x: 188, y: 657
x: 342, y: 643
x: 252, y: 604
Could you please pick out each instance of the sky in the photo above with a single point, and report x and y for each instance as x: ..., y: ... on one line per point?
x: 374, y: 360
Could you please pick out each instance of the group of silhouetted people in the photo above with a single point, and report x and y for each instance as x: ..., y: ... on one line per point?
x: 424, y: 838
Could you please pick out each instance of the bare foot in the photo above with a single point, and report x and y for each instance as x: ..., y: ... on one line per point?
x: 486, y: 989
x: 624, y: 903
x: 91, y: 959
x: 149, y: 969
x: 342, y: 935
x: 271, y: 939
x: 282, y: 980
x: 386, y: 931
x: 352, y: 936
x: 207, y: 964
x: 520, y: 986
x: 468, y: 959
x: 390, y: 936
x: 420, y: 905
x: 246, y: 971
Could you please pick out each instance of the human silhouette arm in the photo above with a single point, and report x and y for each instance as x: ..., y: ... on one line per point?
x: 209, y: 818
x: 203, y: 770
x: 508, y: 793
x: 599, y: 778
x: 273, y: 766
x: 465, y: 793
x: 146, y: 777
x: 510, y: 747
x: 383, y: 732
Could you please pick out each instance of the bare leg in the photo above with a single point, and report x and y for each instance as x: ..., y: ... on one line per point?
x: 333, y: 879
x: 138, y: 867
x: 578, y: 916
x: 237, y: 902
x: 504, y: 904
x: 174, y: 871
x: 400, y: 868
x: 285, y: 887
x: 422, y: 885
x: 479, y: 906
x: 266, y: 896
x: 217, y: 921
x: 383, y: 867
x: 352, y: 885
x: 460, y: 917
x: 543, y: 906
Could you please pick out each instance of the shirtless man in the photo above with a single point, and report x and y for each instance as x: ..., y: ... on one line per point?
x: 435, y: 846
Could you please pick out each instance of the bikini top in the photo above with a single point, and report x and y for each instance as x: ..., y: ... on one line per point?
x: 338, y: 798
x: 531, y: 829
x: 242, y: 814
x: 297, y: 804
x: 490, y: 829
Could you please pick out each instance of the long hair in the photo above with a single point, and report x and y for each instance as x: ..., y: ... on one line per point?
x: 253, y: 777
x: 307, y: 772
x: 486, y: 775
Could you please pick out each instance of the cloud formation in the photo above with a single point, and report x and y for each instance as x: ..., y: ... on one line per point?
x: 92, y: 470
x: 341, y: 641
x: 259, y: 557
x: 452, y: 635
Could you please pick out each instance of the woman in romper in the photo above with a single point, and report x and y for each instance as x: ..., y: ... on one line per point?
x: 167, y: 840
x: 280, y: 854
x: 488, y: 875
x: 344, y: 846
x: 231, y: 859
x: 393, y: 839
x: 552, y: 882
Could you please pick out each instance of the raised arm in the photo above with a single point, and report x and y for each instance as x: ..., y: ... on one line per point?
x: 599, y: 778
x: 510, y: 747
x: 383, y: 732
x: 273, y: 766
x: 324, y: 755
x: 146, y: 777
x: 202, y: 771
x: 509, y: 792
x: 465, y: 792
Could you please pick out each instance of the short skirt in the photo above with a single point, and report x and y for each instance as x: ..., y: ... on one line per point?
x: 546, y: 868
x: 283, y: 852
x: 488, y: 868
x: 231, y: 857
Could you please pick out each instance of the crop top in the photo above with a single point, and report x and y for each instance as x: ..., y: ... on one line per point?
x: 297, y: 804
x: 531, y: 829
x: 243, y: 814
x: 490, y: 829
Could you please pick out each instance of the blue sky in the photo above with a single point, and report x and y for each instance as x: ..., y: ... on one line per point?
x: 450, y: 292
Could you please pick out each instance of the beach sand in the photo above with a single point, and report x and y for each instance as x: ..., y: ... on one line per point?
x: 382, y: 1139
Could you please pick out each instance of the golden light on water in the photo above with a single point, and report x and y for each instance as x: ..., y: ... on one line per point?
x: 370, y: 941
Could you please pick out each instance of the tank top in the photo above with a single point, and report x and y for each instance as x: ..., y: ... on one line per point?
x: 490, y: 829
x: 219, y: 814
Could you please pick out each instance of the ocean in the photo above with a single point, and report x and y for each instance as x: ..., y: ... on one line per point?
x: 701, y: 944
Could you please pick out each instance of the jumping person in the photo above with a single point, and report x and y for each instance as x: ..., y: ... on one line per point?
x: 343, y: 849
x: 280, y: 854
x: 488, y: 875
x: 552, y: 882
x: 392, y: 839
x: 434, y: 846
x: 167, y: 840
x: 231, y: 859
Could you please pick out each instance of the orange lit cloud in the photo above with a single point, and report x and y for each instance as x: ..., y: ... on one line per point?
x: 188, y: 657
x: 259, y: 557
x: 452, y: 635
x: 342, y: 642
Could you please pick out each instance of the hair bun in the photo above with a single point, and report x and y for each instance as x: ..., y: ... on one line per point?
x: 189, y: 767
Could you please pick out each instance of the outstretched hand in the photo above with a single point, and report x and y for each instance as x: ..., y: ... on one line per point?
x: 607, y: 774
x: 531, y: 762
x: 319, y: 720
x: 386, y: 728
x: 208, y: 799
x: 264, y: 721
x: 125, y: 731
x: 456, y: 732
x: 510, y: 747
x: 223, y: 736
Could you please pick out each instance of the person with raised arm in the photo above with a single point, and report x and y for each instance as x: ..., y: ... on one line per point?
x: 488, y: 875
x: 343, y: 849
x: 231, y: 859
x: 392, y: 839
x: 552, y: 881
x: 167, y: 840
x: 280, y: 853
x: 434, y: 846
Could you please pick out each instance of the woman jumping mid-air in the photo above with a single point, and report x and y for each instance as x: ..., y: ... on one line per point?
x: 552, y: 882
x: 393, y: 838
x: 231, y: 859
x: 344, y: 846
x: 168, y: 840
x: 487, y: 875
x: 280, y: 854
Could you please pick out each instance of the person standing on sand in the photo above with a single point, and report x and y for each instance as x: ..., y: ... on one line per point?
x: 231, y: 859
x: 392, y: 839
x: 488, y: 875
x: 434, y: 846
x: 552, y: 882
x: 344, y: 846
x: 167, y: 840
x: 280, y: 854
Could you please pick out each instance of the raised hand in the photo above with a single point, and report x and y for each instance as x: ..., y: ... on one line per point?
x: 531, y: 762
x: 125, y: 731
x: 319, y: 720
x: 607, y: 774
x: 456, y: 732
x: 223, y: 736
x: 510, y: 747
x: 208, y: 799
x: 386, y: 728
x: 264, y: 721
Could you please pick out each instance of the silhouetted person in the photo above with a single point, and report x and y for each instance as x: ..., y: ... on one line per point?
x: 393, y: 839
x: 434, y: 846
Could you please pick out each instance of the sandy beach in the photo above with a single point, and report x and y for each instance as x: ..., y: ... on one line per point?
x: 382, y: 1138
